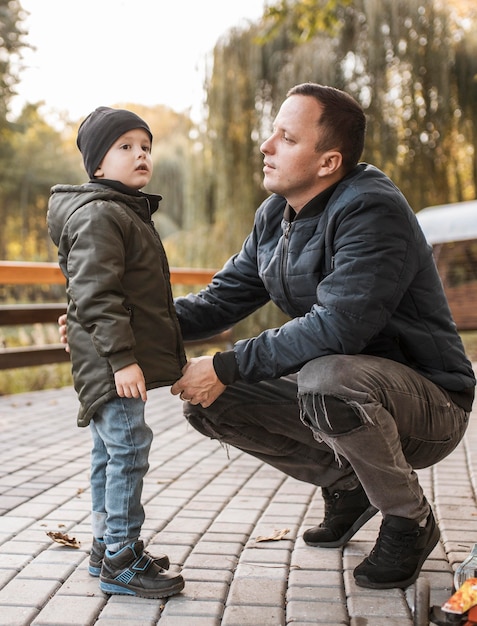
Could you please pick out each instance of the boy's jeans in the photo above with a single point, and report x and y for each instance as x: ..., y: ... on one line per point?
x: 119, y: 462
x: 356, y: 418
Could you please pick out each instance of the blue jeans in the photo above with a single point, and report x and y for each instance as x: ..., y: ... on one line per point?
x: 342, y: 421
x: 119, y: 462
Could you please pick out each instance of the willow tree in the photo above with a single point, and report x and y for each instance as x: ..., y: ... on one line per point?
x: 233, y: 133
x: 410, y: 63
x: 399, y: 59
x: 172, y: 166
x: 226, y: 167
x: 465, y: 167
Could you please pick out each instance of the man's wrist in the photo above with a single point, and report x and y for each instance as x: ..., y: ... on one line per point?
x: 225, y: 366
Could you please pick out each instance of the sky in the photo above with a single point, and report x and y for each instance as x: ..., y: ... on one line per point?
x: 92, y: 53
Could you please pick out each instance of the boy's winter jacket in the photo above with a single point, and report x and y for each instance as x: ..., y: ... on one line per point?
x: 120, y: 305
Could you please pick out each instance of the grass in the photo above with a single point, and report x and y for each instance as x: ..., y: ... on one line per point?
x: 26, y: 379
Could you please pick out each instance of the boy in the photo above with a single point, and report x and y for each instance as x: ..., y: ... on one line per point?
x: 118, y: 291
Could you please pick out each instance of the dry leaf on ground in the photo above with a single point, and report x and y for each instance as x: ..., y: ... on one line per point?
x: 64, y: 539
x: 275, y: 536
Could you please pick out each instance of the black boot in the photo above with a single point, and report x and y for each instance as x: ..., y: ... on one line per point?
x: 345, y: 513
x: 399, y: 553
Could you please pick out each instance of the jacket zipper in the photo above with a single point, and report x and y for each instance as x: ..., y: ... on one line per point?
x: 170, y: 297
x: 284, y: 262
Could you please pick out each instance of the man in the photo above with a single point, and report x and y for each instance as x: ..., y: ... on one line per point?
x: 368, y: 380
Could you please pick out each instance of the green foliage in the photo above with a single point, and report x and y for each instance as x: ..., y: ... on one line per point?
x: 303, y: 19
x: 410, y: 63
x: 32, y: 378
x: 11, y: 44
x: 42, y: 158
x: 35, y: 378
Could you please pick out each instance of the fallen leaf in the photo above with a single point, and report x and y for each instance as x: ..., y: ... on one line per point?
x: 64, y: 539
x: 275, y: 536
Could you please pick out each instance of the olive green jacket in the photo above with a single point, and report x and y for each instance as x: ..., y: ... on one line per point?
x: 120, y: 305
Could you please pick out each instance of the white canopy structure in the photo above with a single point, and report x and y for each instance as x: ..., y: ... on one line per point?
x: 444, y: 223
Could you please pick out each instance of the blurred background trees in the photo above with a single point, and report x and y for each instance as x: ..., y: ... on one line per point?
x: 412, y: 64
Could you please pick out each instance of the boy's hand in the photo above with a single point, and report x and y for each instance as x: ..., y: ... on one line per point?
x: 130, y: 382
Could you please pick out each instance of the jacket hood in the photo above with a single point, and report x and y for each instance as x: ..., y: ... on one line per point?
x: 66, y: 199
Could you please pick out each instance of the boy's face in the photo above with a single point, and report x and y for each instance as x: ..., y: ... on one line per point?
x: 128, y: 160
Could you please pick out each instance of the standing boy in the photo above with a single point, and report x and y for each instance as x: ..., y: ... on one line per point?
x: 123, y: 335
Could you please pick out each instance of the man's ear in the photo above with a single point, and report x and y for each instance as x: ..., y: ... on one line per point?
x: 330, y: 163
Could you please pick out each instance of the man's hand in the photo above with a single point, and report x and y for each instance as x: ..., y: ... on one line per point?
x: 62, y: 331
x: 199, y: 383
x: 130, y: 382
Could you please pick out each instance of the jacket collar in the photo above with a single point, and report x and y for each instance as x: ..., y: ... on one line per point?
x: 153, y: 199
x: 314, y: 207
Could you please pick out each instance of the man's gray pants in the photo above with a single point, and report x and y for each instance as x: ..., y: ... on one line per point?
x: 341, y: 421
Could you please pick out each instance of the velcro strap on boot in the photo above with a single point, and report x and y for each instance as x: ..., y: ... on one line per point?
x: 142, y: 564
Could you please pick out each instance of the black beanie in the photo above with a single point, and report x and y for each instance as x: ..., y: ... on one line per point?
x: 99, y: 131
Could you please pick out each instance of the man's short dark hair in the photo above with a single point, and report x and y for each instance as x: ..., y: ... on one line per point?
x: 342, y: 121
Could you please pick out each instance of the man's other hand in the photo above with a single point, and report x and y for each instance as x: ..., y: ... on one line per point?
x: 199, y: 383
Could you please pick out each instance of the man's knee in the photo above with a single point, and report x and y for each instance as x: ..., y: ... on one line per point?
x: 330, y: 415
x: 197, y: 418
x: 328, y: 375
x: 329, y: 400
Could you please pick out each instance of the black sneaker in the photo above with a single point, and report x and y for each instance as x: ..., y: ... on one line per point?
x: 97, y: 553
x: 132, y: 572
x: 399, y: 553
x: 345, y: 513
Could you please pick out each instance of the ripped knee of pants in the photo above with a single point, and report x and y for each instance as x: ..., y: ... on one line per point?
x: 330, y: 415
x: 200, y: 423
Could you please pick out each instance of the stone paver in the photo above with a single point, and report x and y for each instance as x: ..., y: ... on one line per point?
x: 205, y: 506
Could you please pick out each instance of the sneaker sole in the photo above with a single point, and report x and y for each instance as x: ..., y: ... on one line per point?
x: 361, y: 521
x: 362, y: 581
x: 94, y: 571
x: 115, y: 588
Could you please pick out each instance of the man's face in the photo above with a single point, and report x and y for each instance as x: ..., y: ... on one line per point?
x: 291, y: 164
x: 128, y: 160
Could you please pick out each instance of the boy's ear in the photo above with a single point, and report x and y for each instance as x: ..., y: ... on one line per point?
x: 98, y: 173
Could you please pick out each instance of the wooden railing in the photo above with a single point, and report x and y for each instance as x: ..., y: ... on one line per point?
x: 22, y: 273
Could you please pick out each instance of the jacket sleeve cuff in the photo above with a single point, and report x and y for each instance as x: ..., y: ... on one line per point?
x: 121, y: 359
x: 225, y: 366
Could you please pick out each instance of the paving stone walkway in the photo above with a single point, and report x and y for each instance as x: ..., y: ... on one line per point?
x: 206, y: 507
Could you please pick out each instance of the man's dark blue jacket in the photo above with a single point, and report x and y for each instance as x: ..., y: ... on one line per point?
x: 355, y: 274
